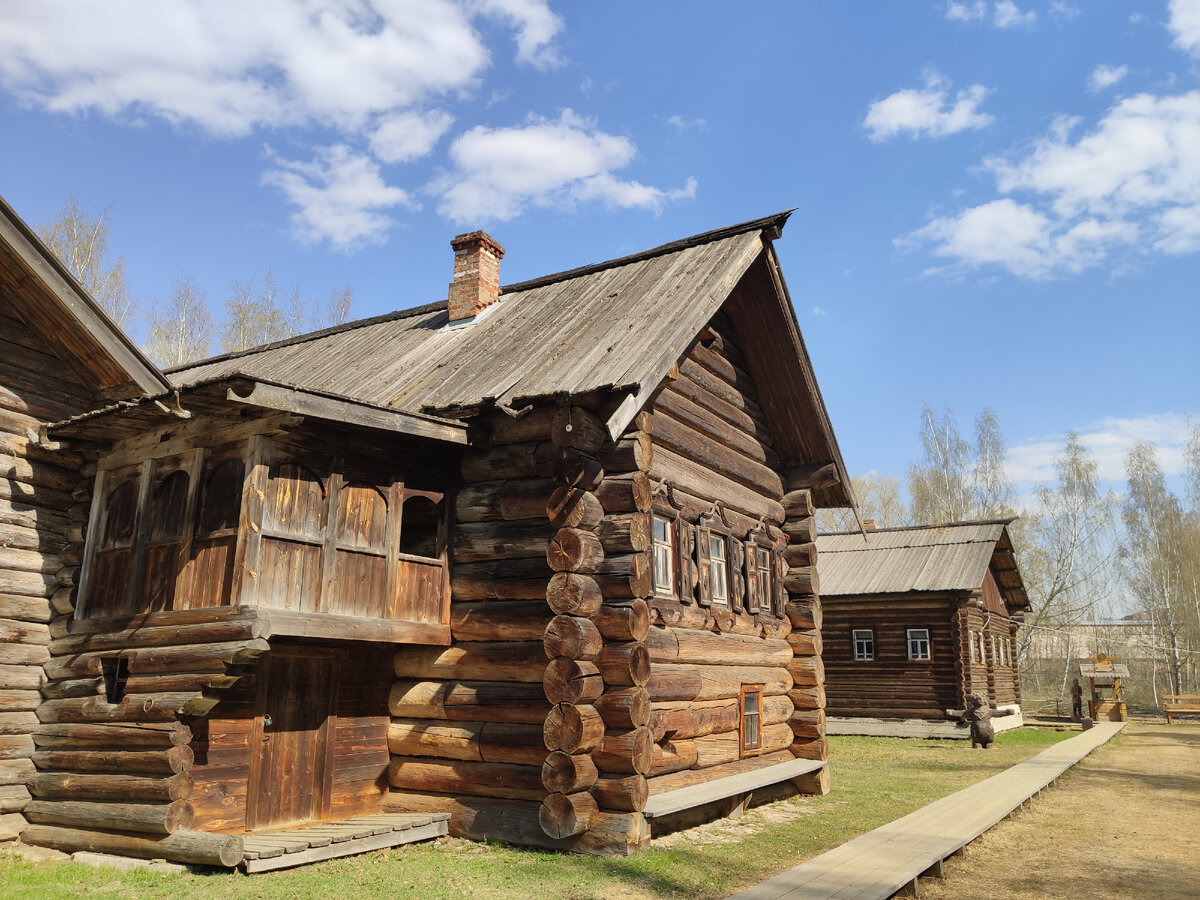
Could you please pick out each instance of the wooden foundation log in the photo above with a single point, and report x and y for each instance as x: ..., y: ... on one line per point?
x: 132, y: 708
x: 196, y: 847
x: 506, y: 579
x: 475, y: 661
x: 627, y: 752
x: 137, y: 762
x: 16, y: 771
x: 565, y: 815
x: 627, y: 793
x: 572, y: 594
x: 466, y: 701
x: 675, y: 681
x: 481, y: 779
x: 686, y: 645
x: 817, y: 782
x: 619, y: 833
x: 479, y: 818
x: 805, y: 615
x: 567, y: 680
x: 629, y: 622
x: 624, y: 708
x: 812, y: 748
x: 568, y: 774
x: 807, y: 671
x: 13, y: 798
x: 806, y: 643
x: 570, y: 507
x: 528, y: 459
x: 802, y: 580
x: 487, y: 541
x: 673, y: 756
x: 125, y: 788
x: 572, y: 636
x: 138, y: 635
x: 632, y: 453
x: 624, y: 532
x: 574, y: 550
x: 141, y: 818
x: 664, y: 784
x: 626, y: 492
x: 516, y: 620
x: 717, y: 749
x: 624, y: 664
x: 573, y: 728
x: 146, y: 660
x: 808, y: 697
x: 624, y: 577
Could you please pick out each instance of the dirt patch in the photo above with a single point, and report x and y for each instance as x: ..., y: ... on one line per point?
x: 1123, y: 823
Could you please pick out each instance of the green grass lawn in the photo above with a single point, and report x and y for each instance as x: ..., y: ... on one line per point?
x: 875, y: 780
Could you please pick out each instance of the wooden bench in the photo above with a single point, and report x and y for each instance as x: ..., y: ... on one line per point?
x: 1181, y: 705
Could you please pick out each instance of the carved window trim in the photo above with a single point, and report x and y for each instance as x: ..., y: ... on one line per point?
x: 716, y: 587
x: 664, y: 543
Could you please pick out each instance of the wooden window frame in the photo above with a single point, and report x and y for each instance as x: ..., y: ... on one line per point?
x: 972, y: 648
x: 869, y: 654
x: 664, y: 588
x: 908, y: 641
x: 714, y: 527
x: 750, y: 724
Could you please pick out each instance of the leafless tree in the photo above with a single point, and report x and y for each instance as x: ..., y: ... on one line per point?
x: 180, y: 327
x: 80, y: 240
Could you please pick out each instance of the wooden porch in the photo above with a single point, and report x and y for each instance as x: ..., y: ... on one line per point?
x: 282, y: 848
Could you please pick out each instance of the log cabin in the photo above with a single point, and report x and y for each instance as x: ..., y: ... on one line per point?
x: 533, y: 563
x: 59, y: 356
x: 916, y: 620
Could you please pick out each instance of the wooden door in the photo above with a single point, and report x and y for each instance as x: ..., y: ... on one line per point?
x: 291, y: 764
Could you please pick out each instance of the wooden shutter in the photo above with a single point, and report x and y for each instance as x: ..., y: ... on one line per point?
x: 685, y: 563
x: 703, y: 566
x: 781, y: 594
x: 751, y: 568
x: 735, y: 553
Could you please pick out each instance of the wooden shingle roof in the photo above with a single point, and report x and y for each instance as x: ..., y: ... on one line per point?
x: 925, y: 558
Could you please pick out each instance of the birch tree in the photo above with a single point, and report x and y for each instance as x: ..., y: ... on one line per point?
x: 955, y: 481
x: 80, y: 241
x: 254, y: 315
x: 180, y: 327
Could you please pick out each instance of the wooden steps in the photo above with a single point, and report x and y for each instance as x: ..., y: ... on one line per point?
x: 283, y: 848
x: 876, y: 865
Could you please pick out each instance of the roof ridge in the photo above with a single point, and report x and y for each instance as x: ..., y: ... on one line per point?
x: 1006, y: 521
x: 312, y: 335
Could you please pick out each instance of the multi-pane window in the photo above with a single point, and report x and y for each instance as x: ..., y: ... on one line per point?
x: 762, y: 564
x: 918, y: 643
x: 751, y: 725
x: 864, y: 644
x: 718, y: 571
x: 971, y: 645
x: 663, y: 538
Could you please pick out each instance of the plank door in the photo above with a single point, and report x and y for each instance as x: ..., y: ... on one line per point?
x: 291, y: 763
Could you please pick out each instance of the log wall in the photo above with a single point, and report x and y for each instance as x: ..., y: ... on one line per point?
x: 43, y: 510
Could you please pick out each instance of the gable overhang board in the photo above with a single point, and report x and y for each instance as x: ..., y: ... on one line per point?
x: 58, y: 307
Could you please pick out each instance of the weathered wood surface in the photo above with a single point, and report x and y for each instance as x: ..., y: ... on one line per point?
x: 469, y: 701
x: 141, y: 818
x: 684, y: 790
x: 110, y: 786
x: 198, y: 847
x: 567, y: 773
x: 566, y: 815
x: 479, y: 779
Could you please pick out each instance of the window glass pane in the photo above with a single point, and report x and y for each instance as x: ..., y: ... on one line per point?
x: 717, y: 576
x: 664, y: 556
x: 662, y: 530
x: 918, y: 643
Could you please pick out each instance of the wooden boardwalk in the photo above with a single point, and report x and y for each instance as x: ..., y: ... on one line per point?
x: 876, y: 865
x: 286, y: 847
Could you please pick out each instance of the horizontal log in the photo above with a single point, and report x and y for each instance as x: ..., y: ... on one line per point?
x: 145, y: 660
x: 800, y: 554
x: 17, y: 700
x: 169, y: 761
x: 474, y: 741
x: 798, y: 504
x: 225, y: 630
x: 620, y: 833
x: 473, y: 661
x: 570, y: 507
x: 505, y: 579
x: 716, y: 749
x: 196, y: 847
x: 487, y: 541
x: 27, y: 677
x: 132, y: 708
x: 23, y: 722
x: 624, y: 664
x: 621, y: 792
x: 533, y: 425
x: 13, y: 798
x: 465, y: 701
x: 630, y: 622
x: 673, y: 756
x: 624, y: 532
x: 808, y: 723
x: 625, y: 492
x: 482, y: 779
x: 572, y: 636
x: 479, y: 818
x: 626, y: 752
x: 13, y: 631
x: 572, y: 594
x: 687, y: 645
x: 624, y: 577
x: 80, y: 737
x: 813, y: 748
x: 678, y: 681
x: 807, y: 671
x: 808, y: 697
x: 634, y: 452
x: 492, y: 620
x: 801, y: 531
x: 697, y: 479
x: 528, y: 459
x: 664, y: 784
x: 723, y: 458
x: 25, y: 607
x: 811, y: 477
x: 713, y: 427
x: 22, y: 656
x: 574, y: 550
x: 805, y: 614
x: 624, y: 708
x: 573, y: 728
x: 717, y: 388
x: 567, y: 680
x: 681, y: 719
x: 566, y: 815
x: 806, y: 643
x: 578, y: 428
x: 142, y: 818
x: 504, y: 499
x: 14, y: 560
x: 567, y: 774
x: 16, y: 746
x: 802, y: 580
x: 673, y: 614
x: 574, y: 468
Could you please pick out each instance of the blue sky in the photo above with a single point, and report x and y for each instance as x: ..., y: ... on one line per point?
x: 998, y: 203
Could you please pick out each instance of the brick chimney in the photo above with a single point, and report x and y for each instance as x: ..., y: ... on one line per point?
x: 476, y: 283
x: 868, y: 525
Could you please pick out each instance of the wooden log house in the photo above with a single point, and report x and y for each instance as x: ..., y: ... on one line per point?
x: 916, y: 620
x: 537, y: 557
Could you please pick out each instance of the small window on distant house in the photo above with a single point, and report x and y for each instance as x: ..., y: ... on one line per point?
x: 664, y: 556
x: 864, y: 644
x: 995, y: 656
x: 1003, y: 654
x: 751, y: 727
x: 918, y: 643
x: 982, y: 648
x: 718, y: 571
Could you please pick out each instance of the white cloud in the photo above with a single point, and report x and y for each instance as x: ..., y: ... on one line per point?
x: 1184, y: 23
x: 339, y: 196
x: 536, y: 27
x: 1109, y: 441
x: 1105, y: 77
x: 1060, y: 9
x: 966, y: 12
x: 927, y: 112
x: 498, y: 172
x: 409, y: 135
x: 1132, y: 184
x: 680, y: 124
x: 1005, y: 14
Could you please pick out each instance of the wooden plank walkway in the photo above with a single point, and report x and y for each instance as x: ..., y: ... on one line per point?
x: 282, y: 848
x: 876, y: 865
